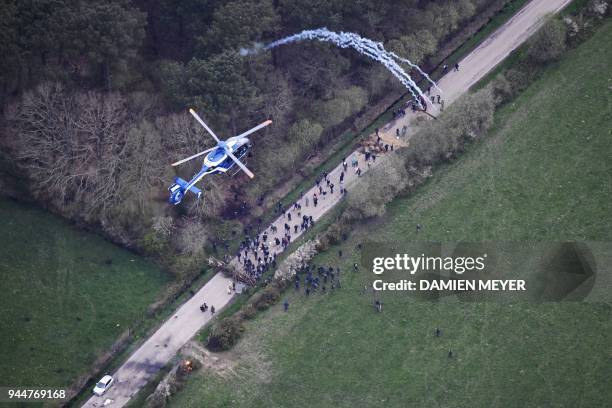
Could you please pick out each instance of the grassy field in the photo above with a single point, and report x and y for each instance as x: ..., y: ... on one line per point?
x: 67, y: 296
x: 542, y: 174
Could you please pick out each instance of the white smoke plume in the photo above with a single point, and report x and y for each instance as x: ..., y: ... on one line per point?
x: 372, y: 49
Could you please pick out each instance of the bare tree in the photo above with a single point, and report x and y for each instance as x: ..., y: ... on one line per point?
x: 71, y: 146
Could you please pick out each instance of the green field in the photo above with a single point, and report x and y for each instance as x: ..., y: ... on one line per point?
x: 67, y: 296
x: 542, y: 174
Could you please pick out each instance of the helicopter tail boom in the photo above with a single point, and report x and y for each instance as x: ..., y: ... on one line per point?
x: 185, y: 186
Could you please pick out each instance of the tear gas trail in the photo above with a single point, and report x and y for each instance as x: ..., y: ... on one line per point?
x: 372, y: 49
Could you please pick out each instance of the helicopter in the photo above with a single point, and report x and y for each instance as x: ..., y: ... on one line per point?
x: 220, y: 159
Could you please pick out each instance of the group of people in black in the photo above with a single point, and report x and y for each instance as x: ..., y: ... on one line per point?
x: 204, y: 308
x: 258, y: 254
x: 313, y: 278
x: 262, y: 258
x: 323, y: 183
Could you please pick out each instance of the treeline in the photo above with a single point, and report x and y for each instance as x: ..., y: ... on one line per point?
x: 94, y: 96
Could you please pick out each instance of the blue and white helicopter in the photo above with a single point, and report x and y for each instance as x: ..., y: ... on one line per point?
x: 220, y: 159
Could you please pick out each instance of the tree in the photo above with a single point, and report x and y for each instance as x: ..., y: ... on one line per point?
x: 548, y: 43
x: 219, y: 85
x: 305, y: 135
x: 190, y: 238
x: 347, y: 102
x: 72, y: 146
x: 109, y: 33
x: 416, y: 46
x: 239, y: 23
x: 303, y: 14
x: 11, y: 59
x: 379, y: 186
x: 56, y: 39
x: 142, y: 169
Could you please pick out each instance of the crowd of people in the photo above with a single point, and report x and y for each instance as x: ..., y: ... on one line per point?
x: 259, y: 249
x: 313, y: 279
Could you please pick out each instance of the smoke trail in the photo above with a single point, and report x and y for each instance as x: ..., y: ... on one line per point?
x: 365, y: 46
x: 406, y: 61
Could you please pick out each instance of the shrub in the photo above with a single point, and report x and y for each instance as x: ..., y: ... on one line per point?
x: 347, y: 102
x: 549, y: 42
x: 295, y: 261
x: 265, y: 298
x: 598, y: 8
x: 378, y: 187
x: 248, y: 311
x: 225, y: 334
x: 502, y: 89
x: 336, y: 232
x: 305, y: 135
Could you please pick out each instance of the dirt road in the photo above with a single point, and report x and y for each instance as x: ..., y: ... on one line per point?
x: 163, y: 345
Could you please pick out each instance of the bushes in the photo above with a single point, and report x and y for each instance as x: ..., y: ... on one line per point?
x: 305, y: 134
x: 378, y: 187
x: 548, y: 44
x: 295, y: 261
x: 225, y: 334
x: 336, y: 232
x: 347, y: 103
x: 228, y: 331
x: 265, y: 298
x: 172, y: 383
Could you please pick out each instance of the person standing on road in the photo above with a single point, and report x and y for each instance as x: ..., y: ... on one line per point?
x: 456, y: 67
